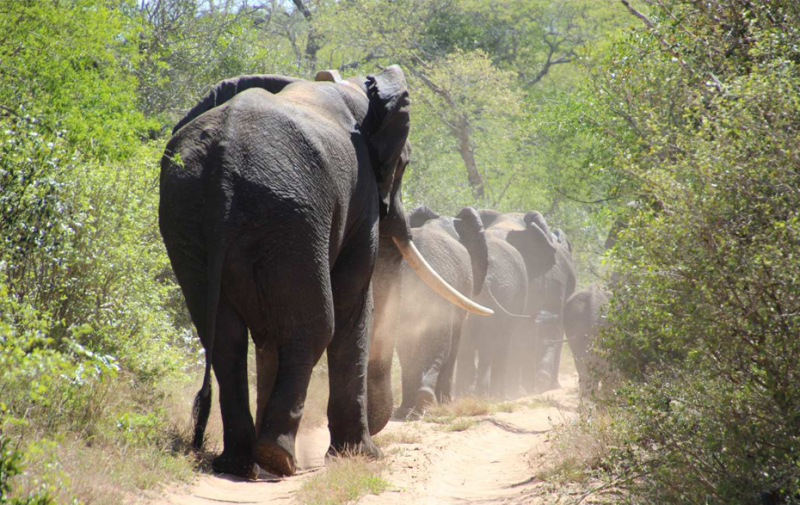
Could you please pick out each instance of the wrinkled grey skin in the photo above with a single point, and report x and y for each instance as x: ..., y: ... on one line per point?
x: 274, y: 192
x: 488, y: 338
x: 425, y: 328
x: 583, y: 317
x: 535, y: 352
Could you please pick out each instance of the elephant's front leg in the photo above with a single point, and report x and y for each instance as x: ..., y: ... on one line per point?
x: 465, y: 371
x: 348, y: 355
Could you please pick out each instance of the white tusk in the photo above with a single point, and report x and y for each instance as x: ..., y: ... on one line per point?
x: 412, y: 255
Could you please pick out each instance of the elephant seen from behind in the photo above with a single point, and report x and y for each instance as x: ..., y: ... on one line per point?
x: 535, y: 351
x: 583, y: 317
x: 483, y: 353
x: 274, y: 192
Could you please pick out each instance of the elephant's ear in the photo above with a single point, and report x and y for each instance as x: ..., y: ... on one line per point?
x: 536, y: 218
x: 472, y: 234
x: 562, y: 239
x: 488, y: 216
x: 536, y: 247
x: 421, y: 215
x: 386, y: 128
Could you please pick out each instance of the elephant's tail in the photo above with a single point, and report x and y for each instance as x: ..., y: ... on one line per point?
x: 202, y: 401
x: 500, y: 306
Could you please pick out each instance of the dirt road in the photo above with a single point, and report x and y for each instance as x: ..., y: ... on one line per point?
x: 491, y: 460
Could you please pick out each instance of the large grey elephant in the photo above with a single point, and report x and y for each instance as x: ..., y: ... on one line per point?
x: 274, y: 193
x: 535, y: 353
x: 583, y: 317
x: 483, y: 354
x: 426, y: 329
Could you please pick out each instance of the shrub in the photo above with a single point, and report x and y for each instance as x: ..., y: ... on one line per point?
x: 701, y: 106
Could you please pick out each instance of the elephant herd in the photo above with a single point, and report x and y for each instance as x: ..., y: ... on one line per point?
x: 280, y: 208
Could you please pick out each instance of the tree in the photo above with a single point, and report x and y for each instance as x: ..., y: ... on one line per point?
x: 471, y: 59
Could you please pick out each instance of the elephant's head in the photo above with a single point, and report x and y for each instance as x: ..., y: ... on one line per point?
x: 385, y: 128
x: 535, y: 244
x: 420, y: 215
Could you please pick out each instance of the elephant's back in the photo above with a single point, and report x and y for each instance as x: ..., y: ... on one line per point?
x: 507, y: 275
x: 504, y: 223
x: 448, y: 257
x: 261, y: 155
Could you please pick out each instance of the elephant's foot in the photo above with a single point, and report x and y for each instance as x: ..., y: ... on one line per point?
x: 364, y: 448
x: 401, y: 413
x: 425, y: 398
x: 238, y: 465
x: 274, y: 459
x: 544, y: 382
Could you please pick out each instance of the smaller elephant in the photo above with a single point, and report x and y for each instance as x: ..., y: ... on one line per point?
x: 583, y: 316
x: 521, y: 250
x: 505, y: 291
x: 426, y: 329
x: 534, y: 354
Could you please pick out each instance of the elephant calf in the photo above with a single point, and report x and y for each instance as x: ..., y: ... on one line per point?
x: 583, y: 316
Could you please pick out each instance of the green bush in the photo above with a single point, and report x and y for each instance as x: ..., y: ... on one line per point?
x: 700, y: 116
x: 10, y: 465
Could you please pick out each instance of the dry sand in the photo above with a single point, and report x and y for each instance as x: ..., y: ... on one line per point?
x: 490, y: 462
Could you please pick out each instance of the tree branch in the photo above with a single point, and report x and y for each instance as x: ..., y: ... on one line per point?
x: 636, y: 13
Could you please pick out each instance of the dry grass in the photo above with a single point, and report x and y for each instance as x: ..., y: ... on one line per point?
x: 578, y: 447
x: 460, y: 424
x: 123, y: 454
x: 467, y: 406
x: 408, y: 435
x: 344, y: 480
x: 506, y: 407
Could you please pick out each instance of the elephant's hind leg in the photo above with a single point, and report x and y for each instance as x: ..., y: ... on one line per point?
x: 230, y: 366
x: 297, y: 354
x: 266, y: 370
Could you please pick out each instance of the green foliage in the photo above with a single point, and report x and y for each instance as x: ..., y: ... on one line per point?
x: 68, y: 63
x: 10, y: 465
x: 700, y: 129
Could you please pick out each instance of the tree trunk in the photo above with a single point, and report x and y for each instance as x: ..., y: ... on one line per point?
x: 460, y: 128
x: 313, y: 43
x: 468, y: 155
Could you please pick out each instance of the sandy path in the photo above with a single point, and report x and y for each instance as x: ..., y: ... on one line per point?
x: 489, y: 462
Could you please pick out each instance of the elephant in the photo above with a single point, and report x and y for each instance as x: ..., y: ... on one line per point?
x: 487, y: 339
x: 274, y: 192
x: 583, y: 316
x: 426, y: 330
x: 535, y: 352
